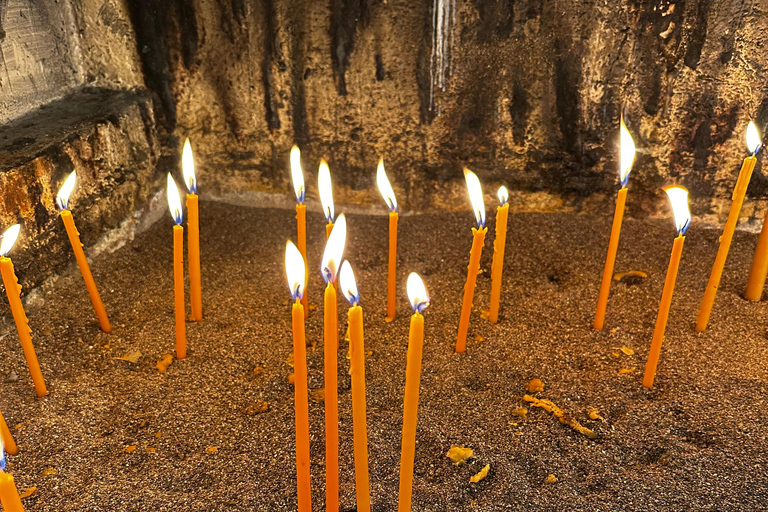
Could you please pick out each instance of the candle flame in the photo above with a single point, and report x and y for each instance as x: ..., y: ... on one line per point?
x: 188, y: 167
x: 678, y: 198
x: 334, y: 250
x: 294, y: 270
x: 475, y: 196
x: 62, y: 197
x: 503, y: 194
x: 627, y: 154
x: 385, y: 187
x: 753, y: 138
x: 174, y: 200
x: 9, y: 238
x: 326, y: 190
x: 2, y: 454
x: 297, y: 175
x: 348, y: 283
x: 417, y: 293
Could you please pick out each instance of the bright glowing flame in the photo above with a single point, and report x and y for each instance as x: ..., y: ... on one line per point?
x: 348, y: 283
x: 326, y: 190
x: 678, y: 198
x: 475, y: 196
x: 334, y: 250
x: 385, y: 187
x: 753, y: 138
x: 174, y: 201
x: 62, y: 197
x: 2, y: 454
x: 297, y: 175
x: 503, y: 194
x: 627, y: 154
x: 417, y: 292
x: 294, y: 270
x: 9, y: 238
x: 188, y: 167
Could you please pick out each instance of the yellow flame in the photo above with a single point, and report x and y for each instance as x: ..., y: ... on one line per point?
x: 503, y: 194
x: 475, y: 196
x: 62, y: 197
x: 348, y: 283
x: 417, y: 292
x: 174, y: 201
x: 753, y: 138
x: 9, y: 238
x: 334, y: 250
x: 294, y: 270
x: 627, y: 153
x: 188, y: 167
x: 297, y: 175
x: 326, y: 190
x: 385, y: 188
x: 678, y: 198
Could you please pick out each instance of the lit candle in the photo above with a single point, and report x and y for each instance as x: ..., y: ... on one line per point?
x: 753, y: 144
x: 13, y: 291
x: 329, y: 268
x: 357, y: 369
x: 193, y: 233
x: 294, y: 269
x: 326, y: 195
x: 497, y: 265
x: 417, y: 294
x: 6, y: 438
x: 627, y: 157
x: 62, y: 200
x: 297, y: 175
x: 759, y: 268
x: 478, y: 237
x: 174, y: 205
x: 389, y: 197
x: 9, y: 496
x: 678, y: 198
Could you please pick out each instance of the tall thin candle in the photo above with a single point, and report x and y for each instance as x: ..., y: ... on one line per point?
x: 6, y: 438
x: 678, y: 198
x: 478, y: 238
x: 193, y: 233
x: 385, y: 187
x: 174, y: 206
x: 297, y: 175
x: 9, y: 495
x: 499, y: 243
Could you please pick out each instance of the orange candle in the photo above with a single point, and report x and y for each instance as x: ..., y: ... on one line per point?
x: 13, y: 291
x: 357, y: 370
x: 193, y: 234
x: 297, y: 176
x: 759, y: 270
x: 9, y: 496
x: 739, y: 191
x: 334, y: 251
x: 295, y: 268
x: 678, y: 197
x: 478, y: 238
x: 497, y: 265
x: 627, y: 157
x: 385, y: 187
x: 62, y: 200
x: 6, y: 439
x: 417, y: 294
x: 174, y: 205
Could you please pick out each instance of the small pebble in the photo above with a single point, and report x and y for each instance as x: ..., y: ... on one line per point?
x: 535, y: 385
x: 551, y: 479
x: 12, y: 377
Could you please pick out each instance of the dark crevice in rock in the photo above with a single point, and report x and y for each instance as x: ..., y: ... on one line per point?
x: 345, y: 16
x: 272, y: 54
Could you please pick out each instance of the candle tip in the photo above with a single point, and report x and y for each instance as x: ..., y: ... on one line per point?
x: 188, y: 167
x: 503, y: 195
x: 627, y: 153
x: 678, y: 199
x: 334, y: 250
x: 385, y: 187
x: 326, y: 190
x: 348, y: 283
x: 62, y: 196
x: 174, y: 200
x: 475, y: 196
x: 297, y: 175
x: 294, y: 270
x: 417, y: 293
x: 9, y: 239
x: 753, y: 138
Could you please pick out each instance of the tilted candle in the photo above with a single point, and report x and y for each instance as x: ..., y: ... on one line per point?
x: 13, y: 291
x: 357, y: 369
x: 389, y: 197
x: 497, y: 265
x: 9, y: 495
x: 759, y: 270
x: 326, y: 195
x: 739, y: 191
x: 6, y: 438
x: 294, y: 269
x: 174, y: 206
x: 193, y: 233
x: 678, y: 198
x: 627, y: 157
x: 334, y: 251
x: 297, y: 176
x: 478, y: 238
x: 62, y: 200
x: 419, y: 298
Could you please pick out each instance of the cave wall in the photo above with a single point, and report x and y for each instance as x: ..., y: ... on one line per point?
x: 533, y: 98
